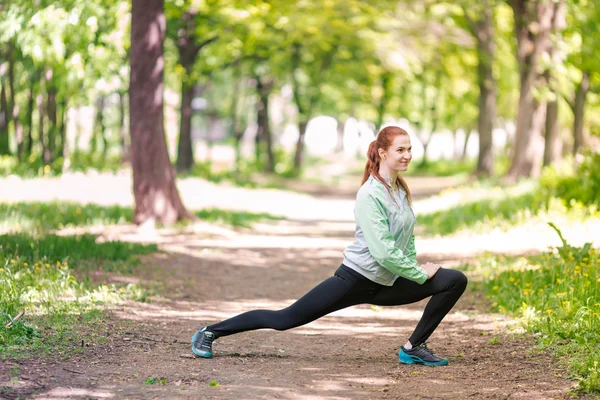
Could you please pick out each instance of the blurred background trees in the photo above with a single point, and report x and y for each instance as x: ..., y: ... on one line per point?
x: 251, y: 86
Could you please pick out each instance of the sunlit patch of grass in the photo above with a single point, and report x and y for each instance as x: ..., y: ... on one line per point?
x: 43, y: 217
x: 234, y: 218
x: 38, y: 216
x: 502, y: 212
x: 38, y: 276
x: 557, y: 296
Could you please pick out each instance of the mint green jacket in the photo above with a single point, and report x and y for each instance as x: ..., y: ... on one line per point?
x: 385, y: 244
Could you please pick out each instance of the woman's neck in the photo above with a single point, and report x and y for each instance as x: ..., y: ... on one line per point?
x: 386, y: 175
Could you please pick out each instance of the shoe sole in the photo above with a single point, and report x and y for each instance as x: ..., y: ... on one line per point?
x: 199, y: 353
x: 406, y: 359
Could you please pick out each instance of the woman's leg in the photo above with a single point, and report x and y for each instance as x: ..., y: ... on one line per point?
x: 445, y: 287
x: 342, y: 290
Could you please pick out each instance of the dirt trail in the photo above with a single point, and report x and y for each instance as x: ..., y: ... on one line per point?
x: 351, y: 354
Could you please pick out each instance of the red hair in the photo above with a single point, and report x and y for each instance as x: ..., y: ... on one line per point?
x: 384, y: 140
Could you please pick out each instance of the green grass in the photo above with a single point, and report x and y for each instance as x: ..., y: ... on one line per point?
x: 234, y: 218
x: 557, y: 296
x: 43, y: 217
x: 38, y: 276
x: 503, y: 212
x: 38, y: 216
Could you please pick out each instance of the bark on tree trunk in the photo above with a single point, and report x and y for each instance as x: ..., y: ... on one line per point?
x: 534, y: 23
x: 578, y: 112
x: 46, y: 155
x: 64, y: 146
x: 484, y: 30
x: 123, y: 130
x: 99, y: 127
x: 188, y: 51
x: 185, y: 152
x: 4, y: 118
x: 298, y: 158
x: 264, y: 127
x: 13, y: 110
x: 154, y: 188
x: 29, y: 121
x: 464, y: 149
x: 52, y: 119
x: 552, y: 143
x: 18, y: 133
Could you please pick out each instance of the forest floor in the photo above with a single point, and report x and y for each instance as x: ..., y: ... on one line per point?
x: 209, y: 273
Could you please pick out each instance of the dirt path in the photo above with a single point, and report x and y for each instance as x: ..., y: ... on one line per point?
x: 351, y: 354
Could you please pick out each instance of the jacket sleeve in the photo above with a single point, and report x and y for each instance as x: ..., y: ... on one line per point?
x: 373, y: 221
x: 412, y: 251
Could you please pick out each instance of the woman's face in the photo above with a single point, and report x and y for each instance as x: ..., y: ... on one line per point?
x: 398, y: 155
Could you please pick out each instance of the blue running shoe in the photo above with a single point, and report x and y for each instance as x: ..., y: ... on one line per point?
x: 420, y: 355
x: 202, y: 343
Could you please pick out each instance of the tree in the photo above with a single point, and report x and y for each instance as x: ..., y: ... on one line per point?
x: 535, y: 20
x: 154, y: 189
x: 480, y: 23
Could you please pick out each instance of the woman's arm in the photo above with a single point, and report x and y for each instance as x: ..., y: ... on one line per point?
x: 373, y: 221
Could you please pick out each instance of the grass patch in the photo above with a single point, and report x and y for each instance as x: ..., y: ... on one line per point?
x: 234, y: 218
x: 38, y: 216
x: 557, y: 296
x: 504, y: 211
x: 44, y: 217
x: 38, y: 276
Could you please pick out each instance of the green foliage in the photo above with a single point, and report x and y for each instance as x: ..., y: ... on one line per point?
x: 574, y: 185
x: 557, y: 295
x: 43, y: 217
x: 503, y: 209
x: 155, y: 381
x: 38, y: 216
x: 71, y: 248
x: 34, y: 166
x: 234, y: 218
x: 38, y: 276
x: 442, y: 167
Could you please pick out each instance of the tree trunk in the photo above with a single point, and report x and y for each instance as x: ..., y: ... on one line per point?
x: 484, y: 30
x: 264, y: 128
x: 235, y: 126
x: 18, y: 133
x: 29, y: 122
x: 53, y: 125
x: 534, y: 22
x: 123, y: 130
x: 154, y: 188
x: 386, y: 94
x: 552, y: 143
x: 298, y: 158
x: 99, y: 127
x: 4, y: 118
x: 464, y: 149
x: 64, y: 145
x: 578, y: 111
x: 46, y: 155
x: 185, y: 152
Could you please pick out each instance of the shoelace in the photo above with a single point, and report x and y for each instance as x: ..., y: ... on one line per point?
x: 207, y: 340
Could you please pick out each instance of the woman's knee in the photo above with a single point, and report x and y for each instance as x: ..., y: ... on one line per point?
x: 456, y: 279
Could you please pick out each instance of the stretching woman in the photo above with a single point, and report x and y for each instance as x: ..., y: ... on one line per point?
x: 379, y: 268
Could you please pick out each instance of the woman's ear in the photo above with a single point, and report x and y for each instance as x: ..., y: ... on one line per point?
x: 381, y: 154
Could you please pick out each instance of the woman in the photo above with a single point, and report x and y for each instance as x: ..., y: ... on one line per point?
x: 379, y: 268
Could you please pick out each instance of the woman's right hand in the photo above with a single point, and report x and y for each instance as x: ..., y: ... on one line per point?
x: 431, y: 269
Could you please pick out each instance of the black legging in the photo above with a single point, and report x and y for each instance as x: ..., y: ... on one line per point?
x: 348, y: 288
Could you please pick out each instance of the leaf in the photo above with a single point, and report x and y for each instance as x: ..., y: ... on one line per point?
x: 214, y: 383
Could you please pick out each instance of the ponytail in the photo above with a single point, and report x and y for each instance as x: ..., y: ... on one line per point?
x: 373, y: 160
